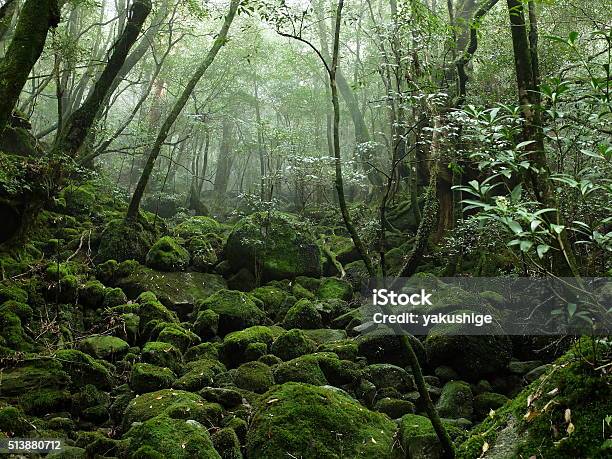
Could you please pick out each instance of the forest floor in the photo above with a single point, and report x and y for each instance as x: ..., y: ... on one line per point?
x: 187, y: 337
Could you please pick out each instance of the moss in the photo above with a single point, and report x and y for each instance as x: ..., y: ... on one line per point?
x: 10, y: 291
x: 235, y: 344
x: 203, y: 252
x: 11, y: 330
x: 92, y: 294
x: 487, y: 401
x: 394, y: 408
x: 277, y: 245
x: 418, y: 437
x: 104, y: 347
x: 332, y: 288
x: 13, y: 421
x: 276, y: 301
x: 292, y: 344
x: 472, y: 357
x: 325, y: 335
x: 206, y: 324
x: 79, y: 200
x: 69, y: 452
x: 300, y: 292
x: 255, y: 350
x: 236, y: 310
x: 170, y: 402
x: 171, y: 439
x: 571, y: 382
x: 254, y: 376
x: 196, y: 226
x: 227, y: 444
x: 43, y: 401
x: 121, y: 240
x: 83, y: 369
x: 177, y: 336
x: 146, y: 377
x: 167, y: 255
x: 199, y: 374
x: 384, y: 375
x: 203, y: 351
x: 97, y: 443
x: 151, y: 309
x: 318, y: 369
x: 91, y: 404
x: 344, y: 349
x: 456, y: 400
x: 312, y: 422
x: 224, y: 396
x: 114, y: 297
x: 162, y: 354
x: 32, y: 375
x: 303, y: 314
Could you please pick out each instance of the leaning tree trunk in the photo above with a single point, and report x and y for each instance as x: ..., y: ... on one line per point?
x: 132, y: 212
x: 77, y: 126
x: 35, y: 20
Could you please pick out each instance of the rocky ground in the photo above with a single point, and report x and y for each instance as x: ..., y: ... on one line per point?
x: 190, y: 338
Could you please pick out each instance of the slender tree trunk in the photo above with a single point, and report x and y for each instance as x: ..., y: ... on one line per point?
x: 78, y: 125
x: 7, y: 11
x: 35, y: 20
x: 224, y: 160
x: 527, y: 84
x: 132, y: 212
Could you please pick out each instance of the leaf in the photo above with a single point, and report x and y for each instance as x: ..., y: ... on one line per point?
x: 531, y: 415
x: 573, y: 36
x: 542, y: 249
x: 526, y: 245
x: 515, y: 226
x: 516, y: 193
x: 524, y: 144
x: 567, y: 415
x: 571, y: 309
x: 485, y: 447
x: 534, y: 224
x: 557, y: 228
x: 570, y: 428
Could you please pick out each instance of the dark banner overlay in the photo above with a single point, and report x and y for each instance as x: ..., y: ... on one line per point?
x: 424, y: 304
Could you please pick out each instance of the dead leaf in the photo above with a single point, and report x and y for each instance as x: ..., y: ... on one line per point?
x: 273, y: 400
x: 531, y: 415
x: 570, y: 428
x: 491, y: 413
x: 555, y: 391
x: 568, y: 415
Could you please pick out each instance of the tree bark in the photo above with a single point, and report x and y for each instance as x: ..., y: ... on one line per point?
x: 224, y: 160
x: 35, y: 20
x: 132, y: 212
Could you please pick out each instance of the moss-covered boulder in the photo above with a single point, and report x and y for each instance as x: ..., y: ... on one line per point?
x: 195, y: 227
x: 84, y: 369
x: 235, y: 344
x: 276, y: 301
x: 562, y: 414
x: 456, y: 401
x: 394, y: 408
x: 314, y: 422
x: 472, y: 357
x: 236, y: 310
x: 31, y: 375
x: 275, y: 245
x: 333, y: 288
x: 487, y: 401
x: 13, y: 421
x: 418, y: 437
x: 292, y: 344
x: 104, y: 347
x: 227, y: 444
x: 92, y: 293
x: 121, y: 240
x: 254, y: 376
x: 162, y: 354
x: 199, y: 374
x: 176, y: 335
x: 318, y: 369
x: 304, y: 315
x: 167, y: 255
x: 384, y: 375
x: 174, y: 403
x: 148, y: 378
x: 164, y: 437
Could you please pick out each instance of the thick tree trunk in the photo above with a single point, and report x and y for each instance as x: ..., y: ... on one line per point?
x: 77, y: 126
x: 35, y: 20
x: 7, y: 11
x: 224, y: 160
x: 132, y: 213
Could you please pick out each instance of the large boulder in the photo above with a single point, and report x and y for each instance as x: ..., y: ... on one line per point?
x: 167, y: 255
x: 236, y: 310
x: 122, y: 240
x: 274, y: 245
x: 301, y: 420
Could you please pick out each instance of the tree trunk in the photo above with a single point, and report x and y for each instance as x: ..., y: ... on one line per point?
x: 224, y: 160
x: 35, y: 20
x: 7, y: 11
x: 526, y: 66
x: 132, y: 212
x: 79, y: 123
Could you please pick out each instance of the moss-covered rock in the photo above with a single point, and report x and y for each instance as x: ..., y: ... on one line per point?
x: 113, y: 297
x: 571, y: 391
x: 206, y: 324
x: 121, y: 240
x: 13, y: 421
x: 418, y: 437
x: 167, y: 255
x: 473, y: 357
x: 456, y: 400
x: 382, y: 347
x: 46, y: 400
x: 276, y: 245
x: 254, y: 376
x: 199, y: 374
x: 487, y: 401
x: 229, y: 398
x: 209, y: 350
x: 151, y: 309
x: 345, y: 349
x: 227, y: 444
x: 292, y: 344
x: 11, y: 330
x: 31, y: 375
x: 204, y: 252
x: 317, y: 369
x: 333, y: 288
x: 304, y: 315
x: 164, y: 437
x: 394, y: 408
x: 148, y: 378
x: 104, y: 347
x: 235, y: 344
x: 313, y: 422
x: 176, y: 335
x: 384, y: 375
x: 236, y: 310
x: 83, y: 369
x: 195, y: 227
x: 276, y: 301
x: 91, y: 294
x: 162, y: 354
